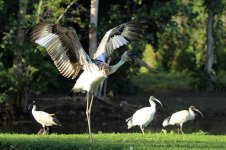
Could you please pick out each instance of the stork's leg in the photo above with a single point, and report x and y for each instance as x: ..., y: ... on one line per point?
x: 142, y: 129
x: 89, y: 103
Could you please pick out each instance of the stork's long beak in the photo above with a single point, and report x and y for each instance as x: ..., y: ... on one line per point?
x: 199, y: 112
x: 142, y: 63
x: 31, y: 105
x: 155, y: 99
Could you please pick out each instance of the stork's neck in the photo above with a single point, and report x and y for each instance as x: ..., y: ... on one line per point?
x: 116, y: 66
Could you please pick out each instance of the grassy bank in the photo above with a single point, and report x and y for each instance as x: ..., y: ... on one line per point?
x: 179, y: 80
x: 148, y: 81
x: 134, y: 141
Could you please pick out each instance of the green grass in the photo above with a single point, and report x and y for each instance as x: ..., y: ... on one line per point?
x: 162, y: 80
x: 148, y: 81
x: 135, y: 141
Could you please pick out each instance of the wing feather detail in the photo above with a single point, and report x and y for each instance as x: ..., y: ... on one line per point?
x: 63, y: 46
x: 119, y: 36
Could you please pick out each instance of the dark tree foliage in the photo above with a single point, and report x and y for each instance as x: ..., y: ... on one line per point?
x: 176, y: 33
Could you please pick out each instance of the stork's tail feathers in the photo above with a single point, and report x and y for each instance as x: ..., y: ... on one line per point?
x: 56, y: 121
x: 166, y: 121
x: 129, y: 122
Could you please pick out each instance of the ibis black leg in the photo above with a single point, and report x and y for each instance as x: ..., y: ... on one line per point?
x: 41, y: 131
x: 89, y: 103
x: 50, y: 129
x: 142, y: 129
x: 47, y: 130
x: 181, y: 125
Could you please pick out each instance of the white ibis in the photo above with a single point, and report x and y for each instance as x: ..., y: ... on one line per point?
x: 143, y: 116
x: 45, y: 119
x: 68, y: 55
x: 181, y: 117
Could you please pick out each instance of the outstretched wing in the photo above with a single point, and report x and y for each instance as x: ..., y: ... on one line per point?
x: 119, y: 36
x: 63, y: 46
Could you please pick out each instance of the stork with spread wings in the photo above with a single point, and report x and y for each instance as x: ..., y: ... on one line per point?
x: 68, y: 55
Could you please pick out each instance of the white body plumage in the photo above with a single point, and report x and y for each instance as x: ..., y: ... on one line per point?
x: 179, y: 117
x: 142, y: 117
x: 89, y: 81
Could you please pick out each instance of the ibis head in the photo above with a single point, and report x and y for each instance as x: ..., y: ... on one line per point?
x: 31, y: 105
x: 152, y: 98
x: 195, y: 109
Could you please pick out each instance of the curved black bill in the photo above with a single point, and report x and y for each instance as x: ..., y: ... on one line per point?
x: 142, y: 63
x: 31, y: 105
x: 199, y: 112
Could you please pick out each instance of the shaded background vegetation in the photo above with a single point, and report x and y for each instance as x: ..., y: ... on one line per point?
x: 176, y: 45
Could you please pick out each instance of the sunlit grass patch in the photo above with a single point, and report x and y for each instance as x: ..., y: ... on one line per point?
x: 113, y: 141
x: 162, y: 80
x: 184, y: 80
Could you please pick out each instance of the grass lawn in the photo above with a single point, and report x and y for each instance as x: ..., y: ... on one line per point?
x: 130, y: 141
x: 148, y: 81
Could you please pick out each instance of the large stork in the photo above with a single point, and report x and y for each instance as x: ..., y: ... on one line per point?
x: 68, y: 55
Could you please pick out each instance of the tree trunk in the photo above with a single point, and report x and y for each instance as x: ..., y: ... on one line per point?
x: 210, y: 41
x: 93, y: 27
x: 17, y: 62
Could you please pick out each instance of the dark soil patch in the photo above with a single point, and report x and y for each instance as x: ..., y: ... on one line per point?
x: 109, y: 115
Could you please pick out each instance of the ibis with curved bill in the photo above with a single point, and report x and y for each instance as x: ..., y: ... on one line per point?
x: 180, y: 117
x: 44, y: 118
x: 143, y: 116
